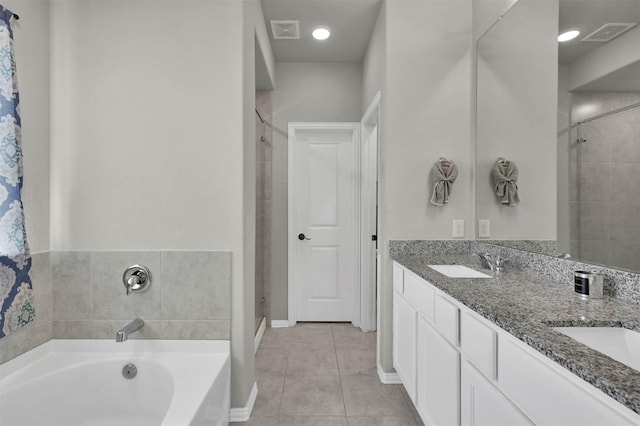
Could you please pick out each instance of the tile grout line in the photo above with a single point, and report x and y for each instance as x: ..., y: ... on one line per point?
x: 335, y: 353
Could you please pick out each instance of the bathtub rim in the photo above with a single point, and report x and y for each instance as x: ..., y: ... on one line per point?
x: 220, y: 350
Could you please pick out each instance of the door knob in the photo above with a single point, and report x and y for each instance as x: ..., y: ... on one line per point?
x: 302, y: 237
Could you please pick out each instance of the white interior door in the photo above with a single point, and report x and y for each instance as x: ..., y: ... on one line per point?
x: 323, y: 231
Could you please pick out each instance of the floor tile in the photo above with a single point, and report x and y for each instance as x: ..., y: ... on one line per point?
x: 258, y: 421
x: 276, y: 338
x: 312, y: 421
x: 307, y: 337
x: 412, y: 407
x: 350, y: 337
x: 269, y: 397
x: 312, y: 362
x: 353, y: 361
x: 271, y: 362
x: 364, y: 395
x: 312, y: 396
x: 381, y: 421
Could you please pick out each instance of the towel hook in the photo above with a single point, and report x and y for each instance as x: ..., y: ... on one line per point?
x: 443, y: 160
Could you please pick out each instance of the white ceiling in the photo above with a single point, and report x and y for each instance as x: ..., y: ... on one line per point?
x: 351, y: 23
x: 588, y: 16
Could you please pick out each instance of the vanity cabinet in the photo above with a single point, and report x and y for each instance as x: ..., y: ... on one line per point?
x: 550, y: 395
x: 438, y: 377
x: 405, y: 323
x: 483, y: 404
x: 461, y: 369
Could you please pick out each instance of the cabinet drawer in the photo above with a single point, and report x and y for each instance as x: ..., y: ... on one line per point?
x: 447, y: 319
x: 420, y: 294
x: 550, y: 395
x: 398, y: 278
x: 479, y: 344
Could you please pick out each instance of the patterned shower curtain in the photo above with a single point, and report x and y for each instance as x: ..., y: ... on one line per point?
x: 16, y: 294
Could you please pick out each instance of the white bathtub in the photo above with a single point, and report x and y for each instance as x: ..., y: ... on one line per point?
x: 80, y: 382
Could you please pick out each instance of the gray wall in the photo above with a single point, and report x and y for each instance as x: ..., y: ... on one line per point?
x: 310, y: 92
x: 517, y: 119
x: 421, y: 60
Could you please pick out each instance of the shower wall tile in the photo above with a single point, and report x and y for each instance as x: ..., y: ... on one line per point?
x: 42, y: 288
x: 594, y: 182
x: 196, y: 285
x: 613, y: 141
x: 71, y: 277
x: 596, y: 148
x: 594, y: 220
x: 574, y: 230
x: 625, y: 221
x: 625, y: 130
x: 596, y: 251
x: 25, y: 339
x: 625, y: 180
x: 40, y: 330
x: 189, y: 297
x: 573, y: 185
x: 216, y: 329
x: 109, y: 297
x: 625, y: 254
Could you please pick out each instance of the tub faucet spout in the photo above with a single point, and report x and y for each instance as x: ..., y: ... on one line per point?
x: 123, y: 334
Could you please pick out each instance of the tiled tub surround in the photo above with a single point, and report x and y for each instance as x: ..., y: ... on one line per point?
x: 41, y: 329
x: 189, y: 297
x: 527, y: 305
x: 80, y: 295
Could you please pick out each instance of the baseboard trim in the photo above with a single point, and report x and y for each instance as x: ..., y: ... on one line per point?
x: 260, y: 333
x: 280, y: 323
x: 388, y: 378
x: 242, y: 414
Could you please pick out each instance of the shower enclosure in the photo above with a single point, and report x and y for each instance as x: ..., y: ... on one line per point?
x: 604, y: 158
x: 263, y: 207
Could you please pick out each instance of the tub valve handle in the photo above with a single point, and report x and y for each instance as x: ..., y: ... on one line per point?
x: 136, y: 278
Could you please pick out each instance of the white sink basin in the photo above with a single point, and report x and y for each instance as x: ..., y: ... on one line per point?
x: 619, y: 343
x: 458, y: 271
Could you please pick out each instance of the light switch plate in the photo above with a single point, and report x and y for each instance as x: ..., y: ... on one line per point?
x: 458, y: 228
x: 484, y: 228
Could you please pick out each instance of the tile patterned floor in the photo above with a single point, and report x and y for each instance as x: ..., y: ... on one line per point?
x: 324, y: 375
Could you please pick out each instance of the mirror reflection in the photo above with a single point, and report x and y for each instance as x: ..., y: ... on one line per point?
x: 597, y: 191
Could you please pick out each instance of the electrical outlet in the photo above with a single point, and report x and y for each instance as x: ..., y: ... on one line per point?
x: 484, y: 228
x: 458, y: 228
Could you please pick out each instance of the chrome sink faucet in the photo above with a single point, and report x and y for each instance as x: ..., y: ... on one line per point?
x: 123, y: 334
x: 495, y: 263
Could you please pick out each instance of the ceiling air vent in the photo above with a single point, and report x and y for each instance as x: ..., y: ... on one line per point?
x: 285, y: 30
x: 608, y: 32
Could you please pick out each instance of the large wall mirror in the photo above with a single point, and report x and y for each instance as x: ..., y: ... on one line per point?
x: 578, y: 154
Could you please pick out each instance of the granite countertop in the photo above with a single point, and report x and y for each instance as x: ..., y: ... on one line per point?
x: 528, y: 306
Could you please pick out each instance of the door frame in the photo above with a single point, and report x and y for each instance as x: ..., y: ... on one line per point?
x: 368, y: 255
x: 292, y: 233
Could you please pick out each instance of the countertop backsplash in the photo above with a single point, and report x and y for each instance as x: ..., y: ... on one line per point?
x: 619, y: 284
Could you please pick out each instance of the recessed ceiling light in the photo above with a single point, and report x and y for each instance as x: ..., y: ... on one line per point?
x: 569, y: 35
x: 321, y: 33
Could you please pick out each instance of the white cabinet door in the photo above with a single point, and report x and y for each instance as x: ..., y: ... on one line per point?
x: 482, y: 404
x: 404, y: 343
x: 438, y: 378
x: 551, y: 395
